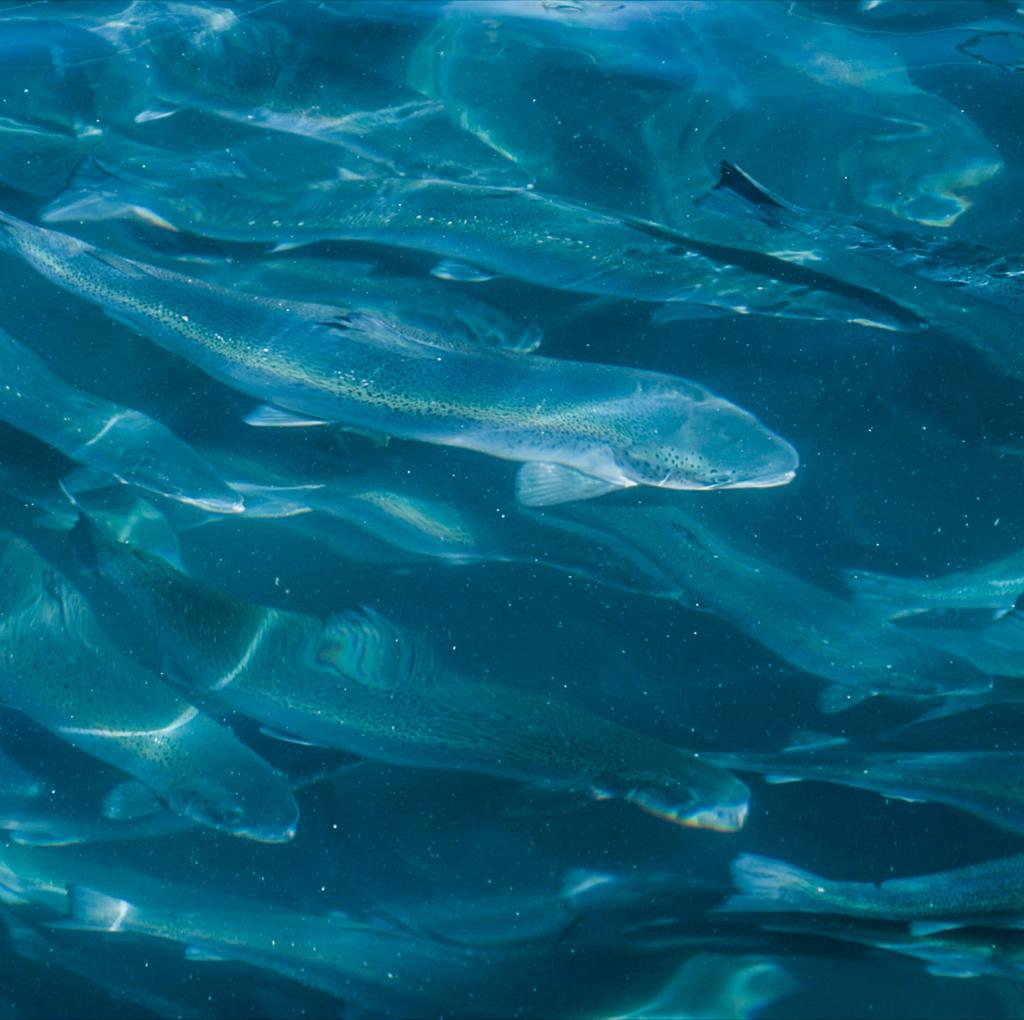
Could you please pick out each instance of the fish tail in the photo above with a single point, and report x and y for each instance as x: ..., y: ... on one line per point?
x: 92, y: 910
x: 765, y: 884
x: 896, y: 596
x: 737, y: 194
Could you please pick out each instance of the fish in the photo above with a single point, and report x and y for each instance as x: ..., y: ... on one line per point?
x: 425, y: 303
x: 996, y: 586
x: 380, y: 967
x: 579, y: 429
x: 30, y: 944
x: 668, y: 87
x: 58, y: 668
x: 117, y: 440
x: 360, y: 683
x: 982, y: 783
x: 69, y: 799
x: 814, y: 630
x: 276, y: 70
x: 985, y: 895
x: 480, y: 232
x: 953, y: 953
x: 994, y: 646
x: 990, y: 275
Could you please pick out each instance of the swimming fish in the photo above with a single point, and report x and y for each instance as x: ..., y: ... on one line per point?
x: 361, y: 684
x: 952, y: 953
x: 995, y: 646
x: 58, y: 668
x: 984, y: 273
x: 986, y: 895
x: 996, y: 585
x: 284, y: 70
x: 381, y: 968
x: 806, y: 626
x: 422, y: 302
x: 55, y: 800
x: 983, y: 783
x: 480, y: 232
x: 120, y: 441
x: 582, y: 429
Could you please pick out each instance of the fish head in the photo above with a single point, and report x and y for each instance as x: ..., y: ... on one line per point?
x: 694, y: 794
x: 701, y: 441
x: 262, y: 811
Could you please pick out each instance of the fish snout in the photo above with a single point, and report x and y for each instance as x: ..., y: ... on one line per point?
x: 267, y: 816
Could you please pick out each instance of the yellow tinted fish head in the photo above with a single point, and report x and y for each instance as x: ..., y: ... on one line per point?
x: 708, y: 443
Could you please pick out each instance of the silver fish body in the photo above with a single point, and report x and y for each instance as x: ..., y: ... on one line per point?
x: 582, y: 429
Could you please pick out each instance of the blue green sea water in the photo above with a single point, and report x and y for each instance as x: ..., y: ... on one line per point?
x: 511, y: 508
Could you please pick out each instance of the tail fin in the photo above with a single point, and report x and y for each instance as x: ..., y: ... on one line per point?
x: 738, y: 194
x: 765, y: 884
x: 95, y: 911
x: 893, y: 596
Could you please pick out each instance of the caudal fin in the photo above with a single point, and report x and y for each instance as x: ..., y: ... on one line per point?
x: 891, y: 596
x: 738, y: 194
x: 767, y: 885
x: 92, y: 910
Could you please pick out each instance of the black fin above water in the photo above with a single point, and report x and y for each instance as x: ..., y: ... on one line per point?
x: 738, y: 194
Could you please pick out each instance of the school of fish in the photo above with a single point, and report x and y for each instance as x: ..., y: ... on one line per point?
x: 491, y: 492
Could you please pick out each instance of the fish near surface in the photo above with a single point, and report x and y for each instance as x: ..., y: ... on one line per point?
x: 582, y: 429
x: 985, y: 273
x: 985, y: 784
x: 58, y: 668
x: 996, y: 585
x: 990, y: 894
x: 802, y: 624
x: 481, y: 231
x: 361, y: 684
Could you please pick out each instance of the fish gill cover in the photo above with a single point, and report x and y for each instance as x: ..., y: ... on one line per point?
x: 511, y: 508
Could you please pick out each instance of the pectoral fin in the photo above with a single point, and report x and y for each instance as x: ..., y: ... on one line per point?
x: 266, y: 416
x: 951, y: 970
x: 287, y: 738
x: 541, y: 484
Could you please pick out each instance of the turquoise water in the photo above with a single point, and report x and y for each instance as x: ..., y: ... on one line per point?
x: 461, y: 461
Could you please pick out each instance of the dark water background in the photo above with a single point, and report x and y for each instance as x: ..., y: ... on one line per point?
x: 903, y: 468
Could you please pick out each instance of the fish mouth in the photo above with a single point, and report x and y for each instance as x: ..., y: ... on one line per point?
x: 772, y: 481
x: 763, y: 481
